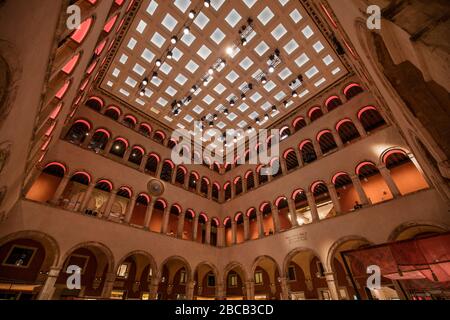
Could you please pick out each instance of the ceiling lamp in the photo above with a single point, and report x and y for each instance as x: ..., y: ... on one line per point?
x: 230, y: 51
x: 145, y: 82
x: 211, y: 124
x: 225, y: 112
x: 235, y: 139
x: 186, y: 30
x: 274, y: 109
x: 232, y: 102
x: 215, y: 117
x: 142, y: 92
x: 207, y: 3
x: 176, y: 112
x: 155, y: 75
x: 263, y: 80
x: 243, y: 97
x: 158, y: 63
x: 194, y: 88
x: 205, y: 82
x: 210, y: 71
x: 223, y: 63
x: 169, y: 55
x: 271, y: 69
x: 294, y: 94
x: 249, y: 129
x: 179, y: 104
x: 244, y: 42
x: 174, y: 40
x: 192, y: 14
x: 266, y: 117
x: 258, y: 121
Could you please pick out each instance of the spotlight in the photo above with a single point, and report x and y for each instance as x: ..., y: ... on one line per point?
x: 211, y: 124
x: 285, y: 103
x: 215, y: 117
x: 274, y: 109
x: 243, y: 97
x: 207, y: 3
x: 250, y: 86
x: 117, y: 147
x: 223, y: 63
x: 192, y: 14
x: 225, y: 112
x: 229, y: 51
x: 179, y: 104
x: 142, y: 92
x: 155, y: 75
x: 210, y: 71
x: 271, y: 69
x: 263, y: 80
x: 158, y: 63
x: 194, y: 88
x: 205, y: 82
x: 169, y: 55
x: 176, y: 112
x: 145, y: 82
x: 186, y: 30
x: 249, y: 129
x: 266, y: 117
x: 174, y: 40
x: 234, y: 139
x: 244, y: 42
x: 294, y: 94
x: 232, y: 102
x: 258, y: 121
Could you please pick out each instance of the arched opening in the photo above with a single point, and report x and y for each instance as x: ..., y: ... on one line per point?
x: 234, y: 283
x: 347, y: 131
x: 75, y: 191
x: 214, y: 231
x: 80, y: 34
x: 98, y: 199
x: 250, y: 180
x: 193, y: 180
x: 201, y: 228
x: 145, y: 129
x: 157, y: 215
x: 180, y: 176
x: 262, y: 178
x: 227, y: 191
x: 285, y: 132
x: 333, y: 102
x: 140, y: 209
x: 291, y: 159
x: 276, y: 168
x: 239, y: 218
x: 324, y: 205
x: 159, y: 137
x: 216, y: 167
x: 175, y: 275
x: 99, y: 140
x: 171, y: 143
x: 174, y: 216
x: 252, y: 224
x: 307, y: 151
x: 405, y: 174
x: 95, y: 103
x: 228, y: 231
x: 136, y: 155
x: 205, y: 278
x: 134, y: 277
x: 188, y: 226
x: 267, y: 219
x: 326, y: 141
x: 95, y: 262
x: 122, y: 203
x: 44, y: 188
x: 78, y: 132
x: 238, y: 186
x: 204, y: 187
x: 129, y: 121
x: 152, y: 164
x: 266, y: 277
x: 352, y: 90
x: 302, y: 209
x: 167, y: 171
x: 119, y: 147
x: 315, y: 113
x: 113, y: 113
x: 370, y: 118
x: 306, y: 276
x: 283, y: 213
x: 215, y: 191
x: 373, y: 182
x: 346, y: 192
x: 299, y: 123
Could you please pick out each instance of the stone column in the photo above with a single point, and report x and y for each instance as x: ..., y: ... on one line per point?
x: 195, y: 228
x: 359, y: 127
x: 180, y: 226
x: 220, y: 291
x: 389, y: 181
x: 148, y: 214
x: 130, y: 208
x: 299, y: 157
x: 337, y: 138
x: 221, y: 236
x: 186, y: 182
x: 275, y: 217
x: 153, y: 287
x: 209, y: 195
x: 87, y: 138
x: 35, y: 172
x: 109, y: 204
x: 48, y: 288
x: 317, y: 148
x: 108, y: 147
x: 250, y: 289
x: 233, y: 232
x: 59, y: 191
x: 293, y: 211
x: 165, y: 221
x: 284, y: 288
x: 190, y: 286
x: 143, y: 163
x: 313, y: 207
x: 359, y: 189
x: 246, y: 228
x: 259, y: 221
x: 108, y: 285
x: 158, y: 170
x: 208, y: 232
x: 233, y: 190
x: 87, y: 197
x: 283, y: 166
x: 332, y: 285
x: 126, y: 155
x: 334, y: 198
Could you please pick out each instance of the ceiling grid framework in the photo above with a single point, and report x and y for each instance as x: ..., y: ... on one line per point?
x: 277, y: 24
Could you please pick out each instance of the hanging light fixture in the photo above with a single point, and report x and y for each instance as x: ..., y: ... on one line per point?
x: 191, y: 14
x: 174, y: 40
x: 145, y: 82
x: 169, y: 55
x: 158, y: 63
x: 294, y: 94
x: 186, y: 30
x: 207, y: 3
